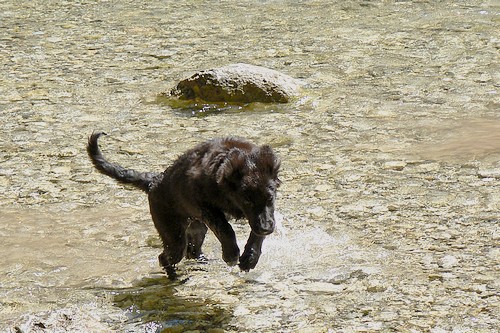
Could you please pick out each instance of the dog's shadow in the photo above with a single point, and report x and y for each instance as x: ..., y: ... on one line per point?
x: 152, y: 303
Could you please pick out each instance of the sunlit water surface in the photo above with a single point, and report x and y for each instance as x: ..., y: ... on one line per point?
x: 392, y: 147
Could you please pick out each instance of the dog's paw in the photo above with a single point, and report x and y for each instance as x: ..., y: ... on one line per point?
x: 249, y: 260
x: 171, y: 273
x: 231, y: 261
x: 231, y: 258
x: 169, y: 269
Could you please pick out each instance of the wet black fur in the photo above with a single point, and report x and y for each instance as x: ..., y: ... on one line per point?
x: 218, y: 178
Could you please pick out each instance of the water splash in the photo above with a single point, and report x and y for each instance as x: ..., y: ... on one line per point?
x: 312, y: 254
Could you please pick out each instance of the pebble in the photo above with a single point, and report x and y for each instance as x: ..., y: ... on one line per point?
x: 448, y: 261
x: 489, y: 173
x: 428, y: 167
x: 376, y: 286
x: 326, y: 166
x: 323, y: 188
x: 317, y: 211
x: 394, y: 165
x: 322, y: 287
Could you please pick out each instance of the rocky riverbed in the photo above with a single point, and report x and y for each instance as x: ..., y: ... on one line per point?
x: 389, y: 209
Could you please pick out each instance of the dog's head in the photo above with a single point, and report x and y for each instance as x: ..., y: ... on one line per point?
x: 251, y: 179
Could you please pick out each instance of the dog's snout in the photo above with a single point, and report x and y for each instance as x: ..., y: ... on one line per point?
x: 263, y: 232
x: 267, y: 231
x: 264, y: 228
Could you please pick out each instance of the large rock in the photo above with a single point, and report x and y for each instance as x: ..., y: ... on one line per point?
x: 238, y: 83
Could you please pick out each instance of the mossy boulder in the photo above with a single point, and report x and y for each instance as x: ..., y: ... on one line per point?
x: 238, y: 83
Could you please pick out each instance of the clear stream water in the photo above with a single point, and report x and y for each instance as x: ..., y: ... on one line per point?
x: 389, y: 206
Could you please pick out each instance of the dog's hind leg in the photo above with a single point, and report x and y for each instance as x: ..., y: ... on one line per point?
x: 251, y: 255
x: 172, y: 231
x: 217, y: 222
x: 195, y: 236
x: 174, y: 247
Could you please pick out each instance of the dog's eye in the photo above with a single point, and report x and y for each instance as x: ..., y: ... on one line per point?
x: 278, y: 182
x: 272, y: 188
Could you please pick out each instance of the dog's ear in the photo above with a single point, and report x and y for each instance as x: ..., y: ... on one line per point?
x: 232, y: 168
x: 269, y: 160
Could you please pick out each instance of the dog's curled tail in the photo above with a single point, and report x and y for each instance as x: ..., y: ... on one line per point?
x: 141, y: 180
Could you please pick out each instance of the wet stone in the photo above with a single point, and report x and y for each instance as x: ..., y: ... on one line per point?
x: 448, y: 261
x: 489, y: 173
x: 238, y: 83
x: 394, y: 165
x: 376, y: 286
x: 323, y: 188
x: 323, y: 287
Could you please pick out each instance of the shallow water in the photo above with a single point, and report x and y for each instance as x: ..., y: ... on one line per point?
x: 391, y: 165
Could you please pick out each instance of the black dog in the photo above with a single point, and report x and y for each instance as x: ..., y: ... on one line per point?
x: 218, y: 177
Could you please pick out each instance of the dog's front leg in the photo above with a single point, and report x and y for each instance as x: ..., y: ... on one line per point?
x: 217, y: 222
x: 252, y: 252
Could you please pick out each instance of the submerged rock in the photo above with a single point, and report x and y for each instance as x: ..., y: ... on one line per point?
x: 489, y: 173
x: 238, y: 83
